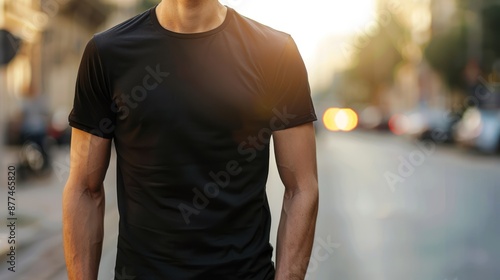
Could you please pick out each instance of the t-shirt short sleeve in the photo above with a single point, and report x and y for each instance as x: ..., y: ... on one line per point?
x: 93, y: 108
x: 290, y: 91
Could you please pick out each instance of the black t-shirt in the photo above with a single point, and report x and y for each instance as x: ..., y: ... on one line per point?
x: 191, y: 116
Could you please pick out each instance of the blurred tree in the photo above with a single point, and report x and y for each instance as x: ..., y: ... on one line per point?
x: 146, y: 4
x: 491, y: 40
x: 447, y: 54
x: 376, y: 61
x: 375, y: 58
x: 448, y: 51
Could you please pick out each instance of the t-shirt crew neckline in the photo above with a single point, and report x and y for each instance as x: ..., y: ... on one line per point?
x: 157, y: 25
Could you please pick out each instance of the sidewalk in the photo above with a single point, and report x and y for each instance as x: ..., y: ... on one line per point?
x: 39, y: 247
x: 37, y: 209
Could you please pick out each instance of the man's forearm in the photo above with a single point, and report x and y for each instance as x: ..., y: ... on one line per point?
x: 296, y: 234
x: 83, y: 216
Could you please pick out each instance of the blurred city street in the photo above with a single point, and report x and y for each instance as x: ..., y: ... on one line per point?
x: 407, y: 96
x: 390, y: 209
x: 440, y: 223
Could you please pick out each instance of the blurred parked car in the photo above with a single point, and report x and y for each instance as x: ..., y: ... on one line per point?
x: 58, y: 129
x: 480, y: 125
x: 480, y: 129
x: 425, y: 123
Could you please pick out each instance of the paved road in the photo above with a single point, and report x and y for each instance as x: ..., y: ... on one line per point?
x: 399, y: 210
x: 389, y: 210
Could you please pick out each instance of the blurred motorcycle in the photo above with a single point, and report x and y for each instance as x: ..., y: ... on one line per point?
x: 33, y: 160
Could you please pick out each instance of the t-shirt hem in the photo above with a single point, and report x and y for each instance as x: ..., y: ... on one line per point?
x: 311, y: 117
x: 92, y: 130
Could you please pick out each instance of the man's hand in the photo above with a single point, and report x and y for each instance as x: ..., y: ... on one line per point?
x: 83, y: 204
x: 295, y: 151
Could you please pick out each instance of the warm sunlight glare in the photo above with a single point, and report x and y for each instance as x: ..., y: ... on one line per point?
x: 329, y: 119
x: 309, y: 22
x: 344, y: 119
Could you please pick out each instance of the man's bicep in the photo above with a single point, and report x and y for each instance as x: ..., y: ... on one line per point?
x: 295, y: 151
x: 89, y: 159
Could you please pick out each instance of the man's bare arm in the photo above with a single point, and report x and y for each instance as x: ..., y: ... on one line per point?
x: 295, y: 151
x: 83, y: 204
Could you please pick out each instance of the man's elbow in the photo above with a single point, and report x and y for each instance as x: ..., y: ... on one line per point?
x: 91, y: 189
x: 308, y: 188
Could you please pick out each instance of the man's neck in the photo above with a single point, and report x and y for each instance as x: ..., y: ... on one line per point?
x: 190, y: 16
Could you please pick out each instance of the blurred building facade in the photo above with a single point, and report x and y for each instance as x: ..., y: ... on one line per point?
x: 53, y: 35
